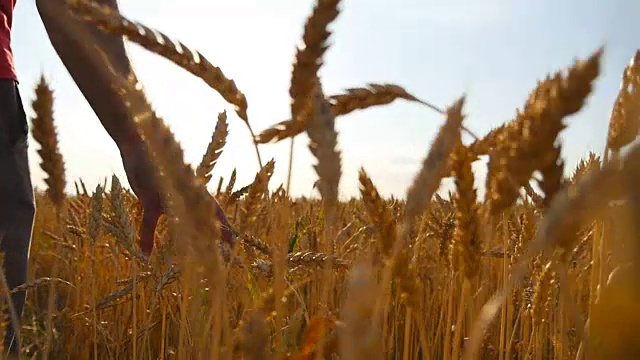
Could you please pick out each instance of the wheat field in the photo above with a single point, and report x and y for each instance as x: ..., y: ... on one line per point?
x: 544, y: 273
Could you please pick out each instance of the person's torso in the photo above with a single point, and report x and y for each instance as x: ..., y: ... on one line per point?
x: 7, y: 68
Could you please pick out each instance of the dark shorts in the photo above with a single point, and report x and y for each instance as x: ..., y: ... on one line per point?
x: 17, y: 208
x: 13, y: 120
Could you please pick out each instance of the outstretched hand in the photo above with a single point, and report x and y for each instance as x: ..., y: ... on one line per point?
x: 139, y: 170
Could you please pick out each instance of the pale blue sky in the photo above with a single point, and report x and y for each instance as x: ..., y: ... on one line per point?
x: 492, y: 50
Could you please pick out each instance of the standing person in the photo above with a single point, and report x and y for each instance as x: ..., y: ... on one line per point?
x: 17, y: 207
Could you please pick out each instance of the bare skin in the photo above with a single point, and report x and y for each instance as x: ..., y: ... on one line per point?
x: 86, y: 55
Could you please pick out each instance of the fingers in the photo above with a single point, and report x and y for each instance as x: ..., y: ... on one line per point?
x: 143, y: 183
x: 148, y: 228
x: 153, y: 208
x: 226, y: 233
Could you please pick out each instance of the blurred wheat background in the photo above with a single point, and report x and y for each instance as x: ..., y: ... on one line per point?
x: 540, y: 267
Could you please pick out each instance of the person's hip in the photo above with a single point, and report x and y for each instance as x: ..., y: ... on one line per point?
x: 13, y: 120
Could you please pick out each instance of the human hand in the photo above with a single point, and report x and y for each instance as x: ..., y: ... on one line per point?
x: 140, y: 174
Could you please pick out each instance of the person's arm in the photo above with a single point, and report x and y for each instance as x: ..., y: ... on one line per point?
x: 83, y: 49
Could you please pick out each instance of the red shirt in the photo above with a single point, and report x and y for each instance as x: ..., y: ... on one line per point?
x: 7, y: 69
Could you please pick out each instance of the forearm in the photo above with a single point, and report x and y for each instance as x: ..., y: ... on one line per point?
x: 112, y: 45
x: 87, y: 53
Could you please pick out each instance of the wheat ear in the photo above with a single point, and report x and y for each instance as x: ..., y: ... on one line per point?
x: 378, y: 213
x: 527, y: 144
x: 214, y: 149
x: 256, y: 192
x: 307, y: 63
x: 308, y: 59
x: 323, y: 142
x: 625, y: 116
x: 44, y: 132
x: 466, y: 246
x: 434, y: 167
x: 353, y: 99
x: 157, y: 42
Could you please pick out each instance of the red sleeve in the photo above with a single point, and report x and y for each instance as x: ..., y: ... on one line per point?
x: 7, y: 68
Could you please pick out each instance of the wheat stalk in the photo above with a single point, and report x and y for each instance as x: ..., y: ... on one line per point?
x: 362, y: 338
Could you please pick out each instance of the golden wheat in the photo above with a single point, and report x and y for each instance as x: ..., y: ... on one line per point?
x: 218, y: 141
x: 308, y: 58
x: 433, y: 169
x: 193, y: 61
x: 342, y: 104
x: 625, y: 116
x: 364, y: 278
x: 44, y: 132
x: 527, y: 144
